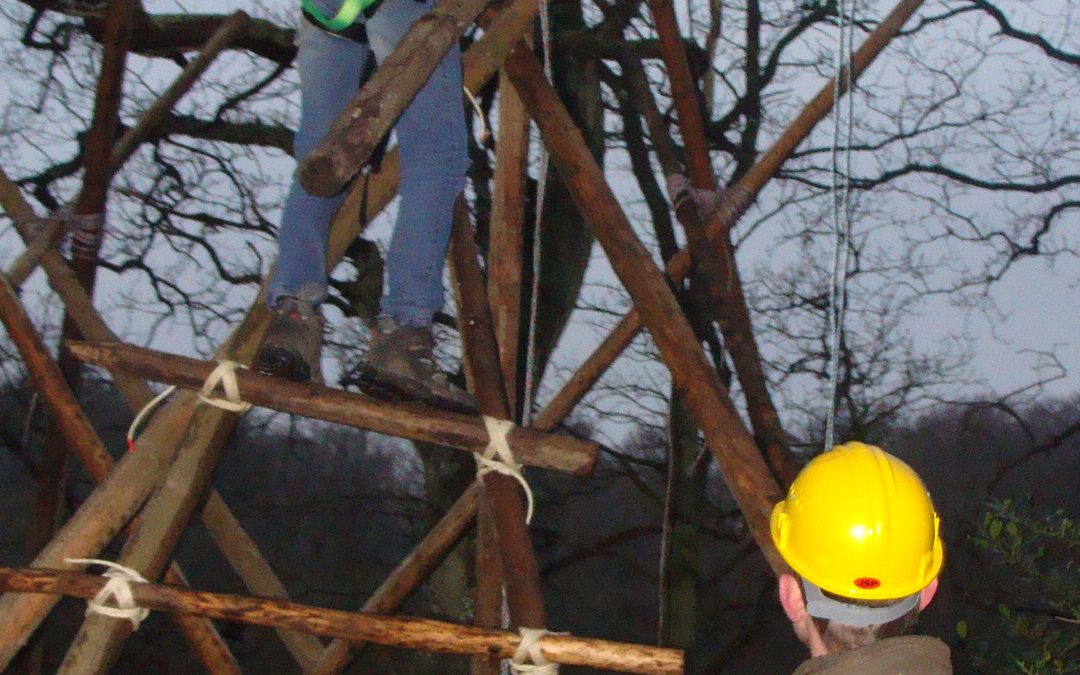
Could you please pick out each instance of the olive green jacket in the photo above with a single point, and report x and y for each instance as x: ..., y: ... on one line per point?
x: 907, y: 655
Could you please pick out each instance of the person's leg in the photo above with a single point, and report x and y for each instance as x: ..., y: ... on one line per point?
x: 431, y: 138
x: 329, y: 68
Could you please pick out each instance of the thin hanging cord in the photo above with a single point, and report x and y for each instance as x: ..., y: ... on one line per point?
x: 534, y: 291
x: 541, y: 188
x: 843, y: 123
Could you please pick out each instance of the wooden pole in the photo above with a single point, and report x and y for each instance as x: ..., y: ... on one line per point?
x: 504, y: 267
x: 735, y: 200
x: 404, y: 632
x: 487, y: 589
x: 520, y: 572
x: 69, y: 421
x: 45, y: 238
x: 52, y: 466
x: 505, y: 240
x: 406, y: 420
x: 354, y: 134
x: 740, y: 461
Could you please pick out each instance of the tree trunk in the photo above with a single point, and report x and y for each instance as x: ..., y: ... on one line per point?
x: 682, y: 507
x: 565, y: 240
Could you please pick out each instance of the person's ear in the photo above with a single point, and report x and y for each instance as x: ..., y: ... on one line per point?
x: 791, y: 597
x: 927, y: 594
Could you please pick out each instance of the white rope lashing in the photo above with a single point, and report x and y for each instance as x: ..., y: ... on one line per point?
x: 485, y: 133
x: 225, y: 375
x: 498, y: 457
x: 133, y: 428
x: 116, y: 590
x: 843, y: 122
x: 528, y: 658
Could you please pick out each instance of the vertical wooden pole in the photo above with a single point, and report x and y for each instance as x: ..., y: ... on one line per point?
x: 505, y: 252
x: 518, y: 560
x: 91, y: 203
x: 505, y: 259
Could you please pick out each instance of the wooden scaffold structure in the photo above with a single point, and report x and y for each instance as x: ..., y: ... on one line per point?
x: 156, y: 490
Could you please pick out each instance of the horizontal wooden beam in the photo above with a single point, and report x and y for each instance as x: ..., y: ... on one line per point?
x: 406, y: 420
x: 404, y: 632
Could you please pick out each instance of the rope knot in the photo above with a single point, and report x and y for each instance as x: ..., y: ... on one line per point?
x: 118, y: 590
x: 225, y: 375
x: 498, y: 457
x: 87, y: 231
x: 528, y: 658
x: 727, y: 203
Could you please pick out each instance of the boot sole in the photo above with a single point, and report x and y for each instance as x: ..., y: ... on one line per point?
x: 387, y: 389
x: 280, y: 362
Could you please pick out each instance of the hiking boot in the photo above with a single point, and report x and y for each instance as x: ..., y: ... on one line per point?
x: 399, y: 365
x: 290, y: 348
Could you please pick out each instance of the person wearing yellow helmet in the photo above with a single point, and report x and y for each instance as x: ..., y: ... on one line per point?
x: 860, y: 531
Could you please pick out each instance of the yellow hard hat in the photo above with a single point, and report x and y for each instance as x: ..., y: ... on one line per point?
x: 859, y: 523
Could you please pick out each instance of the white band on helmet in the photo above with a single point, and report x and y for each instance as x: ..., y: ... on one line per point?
x: 823, y: 607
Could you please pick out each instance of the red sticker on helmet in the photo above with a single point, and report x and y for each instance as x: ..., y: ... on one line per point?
x: 867, y: 583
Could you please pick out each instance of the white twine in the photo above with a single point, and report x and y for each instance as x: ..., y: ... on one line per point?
x: 225, y: 374
x: 485, y: 133
x: 133, y: 429
x: 117, y: 589
x: 529, y: 658
x: 498, y: 457
x: 843, y: 119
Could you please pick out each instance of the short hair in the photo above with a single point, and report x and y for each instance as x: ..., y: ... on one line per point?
x: 841, y: 637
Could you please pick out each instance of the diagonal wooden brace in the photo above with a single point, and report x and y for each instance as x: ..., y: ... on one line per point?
x: 739, y: 458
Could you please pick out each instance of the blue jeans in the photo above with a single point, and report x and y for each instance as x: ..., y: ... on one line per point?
x: 431, y: 139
